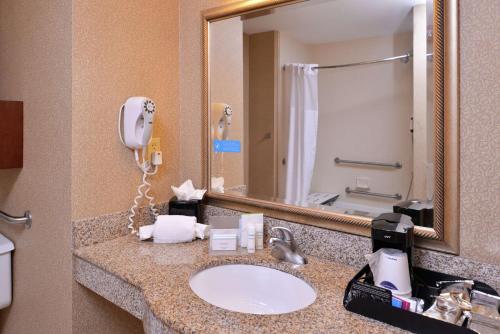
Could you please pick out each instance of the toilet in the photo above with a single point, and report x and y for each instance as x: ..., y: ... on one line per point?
x: 6, y: 248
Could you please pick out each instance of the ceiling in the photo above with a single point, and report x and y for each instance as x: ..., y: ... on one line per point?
x: 326, y: 21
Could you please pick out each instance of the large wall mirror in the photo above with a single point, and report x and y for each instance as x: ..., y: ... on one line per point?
x: 331, y: 112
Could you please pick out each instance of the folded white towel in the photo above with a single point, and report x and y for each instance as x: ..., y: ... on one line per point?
x: 202, y: 231
x: 146, y: 232
x: 174, y: 229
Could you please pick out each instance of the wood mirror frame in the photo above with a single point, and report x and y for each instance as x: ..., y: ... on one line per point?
x: 444, y: 236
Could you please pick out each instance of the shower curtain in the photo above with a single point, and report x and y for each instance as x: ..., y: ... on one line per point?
x: 300, y: 87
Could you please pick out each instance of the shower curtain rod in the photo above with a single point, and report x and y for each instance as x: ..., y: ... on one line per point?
x: 403, y: 58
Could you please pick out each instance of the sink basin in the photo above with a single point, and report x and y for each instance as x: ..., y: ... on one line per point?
x: 252, y: 289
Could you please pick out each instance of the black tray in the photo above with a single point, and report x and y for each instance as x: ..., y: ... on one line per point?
x: 376, y: 304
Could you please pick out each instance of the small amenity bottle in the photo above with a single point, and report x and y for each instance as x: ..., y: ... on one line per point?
x: 251, y: 238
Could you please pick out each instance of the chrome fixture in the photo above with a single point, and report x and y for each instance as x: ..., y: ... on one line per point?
x: 403, y: 58
x: 368, y: 163
x: 25, y: 220
x: 368, y: 193
x: 284, y: 247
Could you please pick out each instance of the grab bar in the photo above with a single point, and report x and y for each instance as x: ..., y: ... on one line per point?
x: 26, y: 219
x: 379, y: 164
x: 368, y: 193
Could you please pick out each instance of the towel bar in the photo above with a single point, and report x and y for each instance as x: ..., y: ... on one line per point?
x: 26, y: 219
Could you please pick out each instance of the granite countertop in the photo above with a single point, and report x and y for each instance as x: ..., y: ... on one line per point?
x: 160, y: 273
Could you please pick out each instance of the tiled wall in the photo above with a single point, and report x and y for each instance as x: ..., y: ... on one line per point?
x: 350, y: 249
x: 327, y: 244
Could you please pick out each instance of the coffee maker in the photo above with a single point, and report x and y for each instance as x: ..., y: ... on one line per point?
x: 393, y: 230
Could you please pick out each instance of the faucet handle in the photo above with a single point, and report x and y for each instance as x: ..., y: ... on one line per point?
x: 284, y: 234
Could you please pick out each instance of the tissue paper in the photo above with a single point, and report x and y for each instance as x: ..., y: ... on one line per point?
x: 217, y: 184
x: 187, y: 192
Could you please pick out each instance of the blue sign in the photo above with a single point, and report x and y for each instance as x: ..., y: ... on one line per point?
x: 233, y: 146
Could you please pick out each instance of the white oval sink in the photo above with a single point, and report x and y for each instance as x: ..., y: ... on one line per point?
x: 252, y: 289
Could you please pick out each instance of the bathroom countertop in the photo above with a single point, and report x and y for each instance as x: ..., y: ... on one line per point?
x: 151, y: 282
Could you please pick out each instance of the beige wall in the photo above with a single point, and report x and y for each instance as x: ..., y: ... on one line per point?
x: 226, y: 68
x: 479, y: 111
x: 190, y: 84
x: 364, y: 114
x: 35, y: 67
x: 480, y: 129
x: 121, y: 50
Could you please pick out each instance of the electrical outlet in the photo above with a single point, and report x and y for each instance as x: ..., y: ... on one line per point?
x: 363, y: 182
x: 154, y: 146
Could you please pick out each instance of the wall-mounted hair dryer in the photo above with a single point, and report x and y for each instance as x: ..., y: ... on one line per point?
x: 136, y: 122
x: 226, y: 112
x: 135, y: 127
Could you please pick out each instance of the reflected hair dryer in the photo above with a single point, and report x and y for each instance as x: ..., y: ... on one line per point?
x: 222, y: 130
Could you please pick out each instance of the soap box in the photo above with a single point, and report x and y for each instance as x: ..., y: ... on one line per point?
x: 224, y: 235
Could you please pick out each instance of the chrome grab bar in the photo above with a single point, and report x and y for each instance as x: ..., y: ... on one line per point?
x: 368, y: 193
x: 368, y: 163
x: 26, y: 220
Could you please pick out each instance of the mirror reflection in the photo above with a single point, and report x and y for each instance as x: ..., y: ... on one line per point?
x: 325, y: 104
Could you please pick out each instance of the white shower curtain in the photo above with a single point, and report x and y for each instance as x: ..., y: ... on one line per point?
x: 300, y: 86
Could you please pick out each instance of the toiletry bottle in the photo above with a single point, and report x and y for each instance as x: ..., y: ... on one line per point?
x: 251, y: 238
x: 259, y: 234
x: 243, y: 233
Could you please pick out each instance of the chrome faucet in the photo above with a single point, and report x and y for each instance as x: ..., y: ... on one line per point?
x: 284, y: 247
